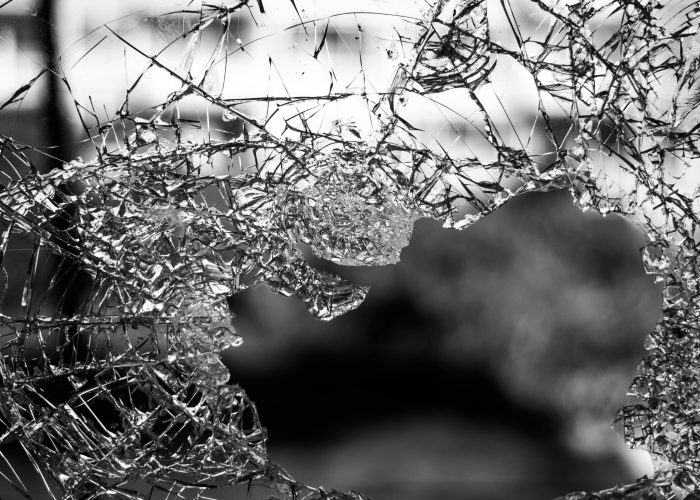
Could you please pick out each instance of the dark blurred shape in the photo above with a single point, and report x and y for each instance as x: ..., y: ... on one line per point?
x: 56, y: 123
x: 516, y: 338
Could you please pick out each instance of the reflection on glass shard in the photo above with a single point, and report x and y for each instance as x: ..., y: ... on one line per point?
x: 237, y: 132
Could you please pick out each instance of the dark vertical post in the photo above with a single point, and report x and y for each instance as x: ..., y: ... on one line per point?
x: 56, y: 126
x: 57, y: 135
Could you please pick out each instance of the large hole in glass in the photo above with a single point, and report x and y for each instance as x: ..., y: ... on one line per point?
x: 488, y: 363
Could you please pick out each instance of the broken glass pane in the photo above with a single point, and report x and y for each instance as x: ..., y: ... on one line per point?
x: 221, y: 138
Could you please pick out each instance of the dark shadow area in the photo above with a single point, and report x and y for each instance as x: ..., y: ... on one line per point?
x: 326, y: 396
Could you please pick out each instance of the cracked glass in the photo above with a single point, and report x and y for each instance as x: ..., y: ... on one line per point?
x: 219, y: 139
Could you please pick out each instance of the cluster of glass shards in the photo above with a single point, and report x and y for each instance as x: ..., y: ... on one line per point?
x: 223, y: 137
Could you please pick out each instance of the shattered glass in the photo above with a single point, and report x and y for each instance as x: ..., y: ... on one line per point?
x: 225, y: 137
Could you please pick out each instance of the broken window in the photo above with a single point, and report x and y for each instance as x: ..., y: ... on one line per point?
x: 218, y: 138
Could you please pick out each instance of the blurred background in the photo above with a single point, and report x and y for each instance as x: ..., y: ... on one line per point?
x: 489, y: 363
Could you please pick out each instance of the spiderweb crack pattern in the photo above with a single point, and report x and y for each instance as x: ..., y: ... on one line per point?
x: 217, y: 158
